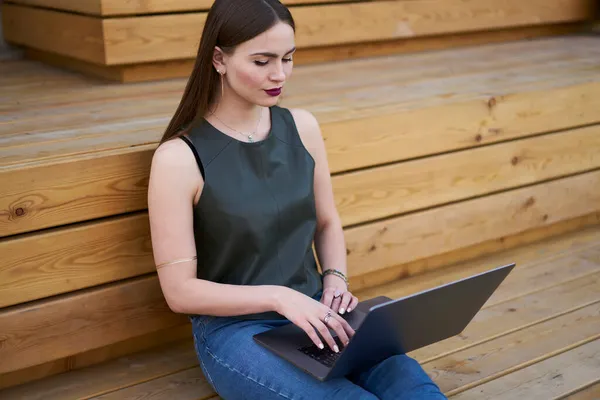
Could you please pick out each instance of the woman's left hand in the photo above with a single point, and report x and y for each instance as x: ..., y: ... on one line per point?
x: 337, y: 297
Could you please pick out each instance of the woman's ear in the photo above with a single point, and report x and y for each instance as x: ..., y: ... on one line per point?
x: 219, y: 60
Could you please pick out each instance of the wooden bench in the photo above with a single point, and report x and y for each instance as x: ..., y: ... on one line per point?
x: 541, y: 326
x: 137, y: 40
x: 436, y: 157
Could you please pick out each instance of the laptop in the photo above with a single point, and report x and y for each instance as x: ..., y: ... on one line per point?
x: 385, y: 327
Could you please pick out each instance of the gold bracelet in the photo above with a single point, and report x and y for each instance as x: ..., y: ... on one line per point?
x: 176, y: 262
x: 337, y: 273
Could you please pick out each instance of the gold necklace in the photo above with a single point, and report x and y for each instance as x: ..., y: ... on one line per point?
x: 249, y: 135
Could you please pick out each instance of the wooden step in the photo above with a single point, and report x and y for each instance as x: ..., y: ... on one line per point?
x: 384, y: 117
x: 119, y: 41
x: 566, y: 268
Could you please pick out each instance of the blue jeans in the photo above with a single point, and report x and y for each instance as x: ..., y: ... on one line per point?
x: 239, y: 368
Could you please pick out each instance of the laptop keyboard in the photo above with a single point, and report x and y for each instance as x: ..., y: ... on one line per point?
x: 326, y: 356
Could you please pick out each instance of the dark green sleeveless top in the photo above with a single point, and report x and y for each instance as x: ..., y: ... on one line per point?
x: 255, y: 221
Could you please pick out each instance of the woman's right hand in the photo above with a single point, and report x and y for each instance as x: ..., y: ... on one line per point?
x: 308, y: 315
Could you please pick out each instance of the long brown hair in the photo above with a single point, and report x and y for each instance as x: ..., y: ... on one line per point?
x: 228, y: 24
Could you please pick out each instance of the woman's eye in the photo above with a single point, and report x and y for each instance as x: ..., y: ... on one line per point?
x: 260, y: 63
x: 288, y: 59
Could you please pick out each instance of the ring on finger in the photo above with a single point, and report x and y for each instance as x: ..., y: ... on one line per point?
x: 337, y: 294
x: 327, y: 317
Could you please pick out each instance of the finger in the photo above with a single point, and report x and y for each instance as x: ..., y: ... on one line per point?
x: 353, y: 304
x: 312, y: 334
x: 346, y: 298
x: 327, y: 298
x: 325, y: 334
x: 337, y: 326
x: 346, y: 326
x: 335, y: 305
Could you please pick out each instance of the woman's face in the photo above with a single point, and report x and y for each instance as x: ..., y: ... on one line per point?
x: 258, y: 69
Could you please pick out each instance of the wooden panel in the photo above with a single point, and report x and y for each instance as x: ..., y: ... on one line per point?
x: 63, y: 260
x: 483, y: 253
x: 494, y: 319
x: 589, y: 392
x: 77, y: 36
x: 134, y: 40
x: 151, y: 38
x: 91, y: 254
x: 165, y: 337
x: 169, y: 69
x: 81, y: 189
x: 45, y: 195
x: 408, y: 238
x: 38, y: 333
x: 44, y: 331
x: 545, y: 379
x: 120, y: 7
x: 403, y: 187
x: 186, y: 385
x: 473, y: 366
x: 123, y: 372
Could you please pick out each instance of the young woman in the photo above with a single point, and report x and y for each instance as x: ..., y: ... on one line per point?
x: 239, y: 189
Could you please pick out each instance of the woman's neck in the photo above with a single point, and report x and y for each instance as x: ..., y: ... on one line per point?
x: 237, y: 113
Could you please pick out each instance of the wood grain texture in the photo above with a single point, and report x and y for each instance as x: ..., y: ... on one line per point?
x: 487, y: 361
x: 63, y: 260
x: 38, y: 339
x: 82, y: 256
x: 138, y: 7
x: 546, y: 379
x: 152, y: 71
x: 591, y: 391
x: 124, y: 372
x: 399, y: 188
x: 129, y: 40
x: 395, y: 241
x: 102, y: 355
x: 78, y: 36
x: 39, y: 332
x: 118, y: 184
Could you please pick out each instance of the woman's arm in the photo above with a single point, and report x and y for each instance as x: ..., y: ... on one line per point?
x: 329, y: 237
x: 172, y: 190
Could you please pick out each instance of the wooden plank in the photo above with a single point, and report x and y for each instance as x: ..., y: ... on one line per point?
x: 492, y: 359
x: 142, y: 300
x: 404, y: 239
x: 532, y: 251
x: 63, y: 261
x: 148, y: 39
x: 390, y: 190
x: 119, y: 7
x: 492, y: 321
x: 147, y: 342
x: 39, y: 332
x: 118, y: 183
x: 73, y: 35
x: 44, y: 264
x: 589, y: 392
x: 477, y: 252
x: 83, y: 256
x: 169, y: 69
x: 104, y: 378
x: 515, y: 115
x: 185, y: 385
x: 130, y: 40
x: 501, y: 319
x: 545, y: 379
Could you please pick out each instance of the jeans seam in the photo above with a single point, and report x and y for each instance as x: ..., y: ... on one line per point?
x: 202, y: 362
x: 232, y: 369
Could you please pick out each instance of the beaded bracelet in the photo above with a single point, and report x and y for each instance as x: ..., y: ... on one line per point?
x: 337, y: 273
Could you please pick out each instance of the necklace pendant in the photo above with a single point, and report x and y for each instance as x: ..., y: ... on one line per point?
x: 250, y: 138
